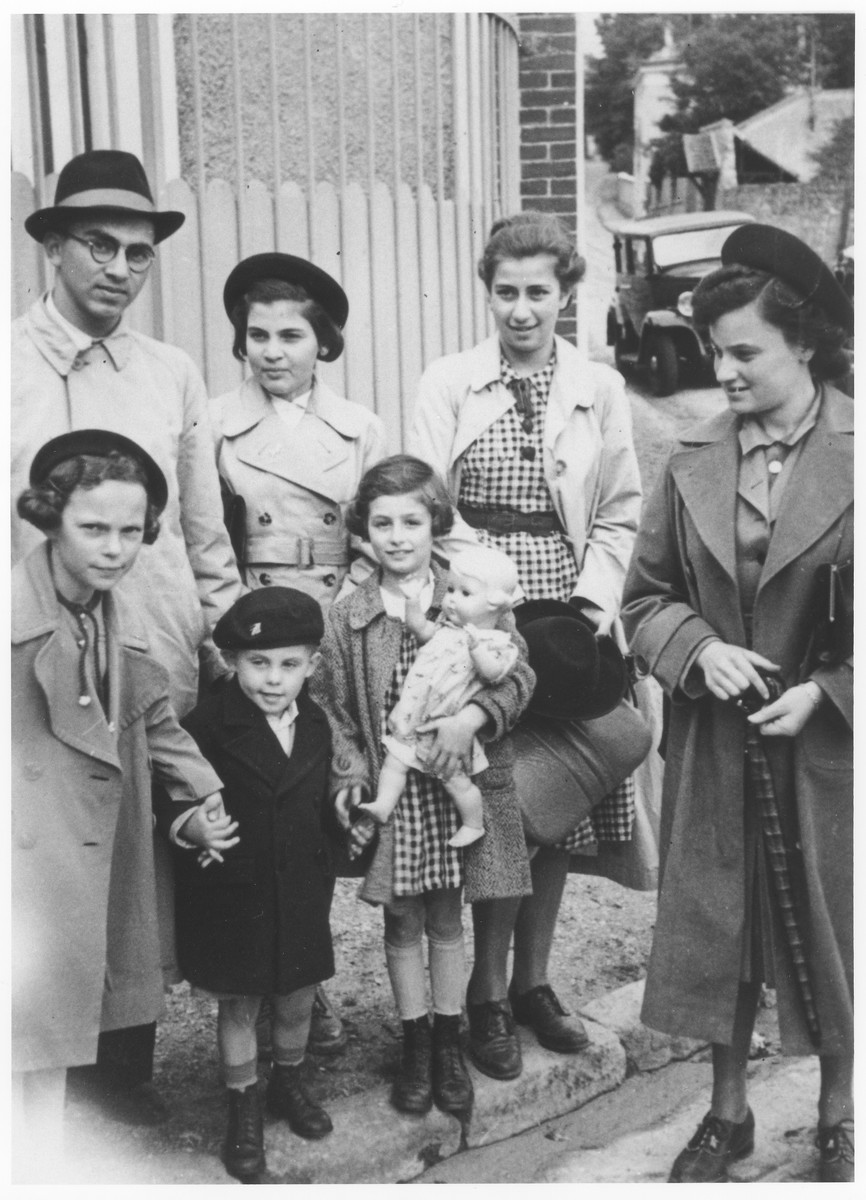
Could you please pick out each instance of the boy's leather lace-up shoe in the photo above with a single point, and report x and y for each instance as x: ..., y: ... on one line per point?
x: 716, y: 1143
x: 244, y: 1146
x: 413, y: 1088
x: 287, y: 1097
x: 836, y: 1147
x: 452, y: 1086
x: 540, y: 1009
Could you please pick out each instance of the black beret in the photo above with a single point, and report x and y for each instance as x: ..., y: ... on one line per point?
x: 766, y: 248
x: 317, y: 283
x: 270, y: 617
x: 99, y: 442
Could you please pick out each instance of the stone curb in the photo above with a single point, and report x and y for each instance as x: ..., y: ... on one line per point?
x: 373, y: 1144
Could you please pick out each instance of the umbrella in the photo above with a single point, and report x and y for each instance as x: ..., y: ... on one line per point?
x: 777, y: 854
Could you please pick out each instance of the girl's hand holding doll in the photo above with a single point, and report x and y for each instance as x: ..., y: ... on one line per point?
x: 211, y: 828
x: 451, y: 749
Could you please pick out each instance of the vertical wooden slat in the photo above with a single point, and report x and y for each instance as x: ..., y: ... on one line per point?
x: 73, y: 76
x: 358, y: 282
x: 386, y: 305
x: 327, y: 248
x: 237, y: 79
x: 449, y: 274
x: 111, y: 80
x: 293, y: 221
x: 485, y: 113
x: 58, y: 88
x: 479, y: 232
x: 411, y: 351
x: 257, y: 234
x: 97, y: 80
x: 219, y: 233
x: 28, y: 260
x: 462, y: 181
x: 429, y: 278
x: 179, y: 263
x: 36, y: 114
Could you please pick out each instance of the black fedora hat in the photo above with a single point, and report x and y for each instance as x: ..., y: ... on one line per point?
x: 110, y: 181
x: 579, y: 676
x: 99, y: 442
x: 317, y: 283
x: 779, y: 253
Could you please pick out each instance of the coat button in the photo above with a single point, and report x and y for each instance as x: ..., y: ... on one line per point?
x: 641, y: 664
x: 329, y: 518
x: 265, y: 579
x: 343, y: 762
x: 329, y: 580
x: 265, y: 519
x: 560, y: 467
x: 32, y: 770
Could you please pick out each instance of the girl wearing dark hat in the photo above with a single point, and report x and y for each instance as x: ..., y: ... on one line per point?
x: 290, y: 451
x: 534, y: 441
x: 738, y: 577
x: 90, y: 721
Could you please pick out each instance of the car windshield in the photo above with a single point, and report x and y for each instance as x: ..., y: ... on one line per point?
x: 691, y: 245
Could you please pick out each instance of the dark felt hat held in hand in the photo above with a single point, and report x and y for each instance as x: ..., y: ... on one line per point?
x: 317, y: 283
x: 268, y: 618
x: 579, y: 676
x: 106, y: 181
x: 766, y: 248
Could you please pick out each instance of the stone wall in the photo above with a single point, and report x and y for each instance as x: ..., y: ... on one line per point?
x: 815, y: 212
x: 548, y: 174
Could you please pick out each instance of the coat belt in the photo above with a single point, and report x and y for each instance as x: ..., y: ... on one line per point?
x: 297, y: 551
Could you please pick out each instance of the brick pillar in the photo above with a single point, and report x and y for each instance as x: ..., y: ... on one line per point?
x: 547, y: 122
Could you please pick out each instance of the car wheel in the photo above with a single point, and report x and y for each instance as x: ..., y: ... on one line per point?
x: 664, y: 365
x: 623, y: 364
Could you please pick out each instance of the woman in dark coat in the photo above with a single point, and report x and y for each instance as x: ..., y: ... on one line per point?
x: 730, y: 580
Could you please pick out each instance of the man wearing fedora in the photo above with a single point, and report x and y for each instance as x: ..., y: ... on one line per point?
x: 76, y: 364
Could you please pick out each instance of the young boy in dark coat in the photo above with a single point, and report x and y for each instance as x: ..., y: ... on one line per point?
x: 256, y: 924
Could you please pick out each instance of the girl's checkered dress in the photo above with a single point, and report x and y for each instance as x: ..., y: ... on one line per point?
x: 425, y: 817
x: 503, y: 469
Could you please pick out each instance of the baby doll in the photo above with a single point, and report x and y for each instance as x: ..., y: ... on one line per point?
x: 460, y: 653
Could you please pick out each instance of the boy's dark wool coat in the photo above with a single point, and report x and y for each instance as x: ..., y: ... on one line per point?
x: 257, y: 923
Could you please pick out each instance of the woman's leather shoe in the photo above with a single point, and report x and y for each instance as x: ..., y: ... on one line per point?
x: 540, y: 1009
x: 493, y: 1044
x: 413, y: 1089
x: 287, y: 1097
x: 836, y: 1146
x: 244, y: 1146
x: 452, y: 1087
x: 716, y: 1143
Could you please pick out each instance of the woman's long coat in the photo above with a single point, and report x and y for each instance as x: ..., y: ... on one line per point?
x: 589, y: 460
x: 257, y: 923
x: 296, y: 484
x: 682, y: 587
x: 86, y: 951
x: 359, y: 654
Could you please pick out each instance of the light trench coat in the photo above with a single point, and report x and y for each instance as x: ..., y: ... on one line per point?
x: 682, y: 588
x: 589, y: 460
x: 86, y: 952
x: 296, y: 483
x: 152, y: 393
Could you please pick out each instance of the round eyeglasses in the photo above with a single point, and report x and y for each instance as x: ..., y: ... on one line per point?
x: 105, y: 249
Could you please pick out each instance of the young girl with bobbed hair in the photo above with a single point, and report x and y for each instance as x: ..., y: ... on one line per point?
x: 415, y: 873
x: 91, y: 724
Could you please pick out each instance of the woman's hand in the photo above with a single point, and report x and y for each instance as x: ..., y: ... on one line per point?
x: 602, y: 621
x: 362, y: 831
x: 451, y: 749
x: 731, y: 670
x: 786, y: 716
x: 211, y: 829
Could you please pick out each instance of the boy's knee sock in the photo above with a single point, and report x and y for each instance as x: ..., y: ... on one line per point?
x: 406, y: 971
x: 239, y: 1077
x: 291, y: 1025
x: 447, y: 975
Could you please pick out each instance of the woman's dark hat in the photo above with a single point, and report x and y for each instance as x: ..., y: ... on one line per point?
x: 109, y: 181
x: 317, y: 283
x: 579, y: 676
x: 268, y: 618
x: 99, y: 442
x: 766, y: 248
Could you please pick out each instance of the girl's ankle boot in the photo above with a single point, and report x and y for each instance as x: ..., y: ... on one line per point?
x: 412, y: 1091
x: 244, y: 1146
x: 452, y: 1086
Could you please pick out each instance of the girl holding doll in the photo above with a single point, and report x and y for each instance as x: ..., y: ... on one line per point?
x: 414, y: 872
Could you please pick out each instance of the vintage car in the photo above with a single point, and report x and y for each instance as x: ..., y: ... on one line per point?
x: 659, y: 261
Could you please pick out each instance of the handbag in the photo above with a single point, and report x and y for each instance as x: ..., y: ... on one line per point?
x: 564, y: 769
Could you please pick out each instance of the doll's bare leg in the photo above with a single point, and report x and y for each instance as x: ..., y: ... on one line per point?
x: 392, y: 782
x: 468, y: 802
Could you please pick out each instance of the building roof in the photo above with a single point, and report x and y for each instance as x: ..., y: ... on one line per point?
x: 788, y: 133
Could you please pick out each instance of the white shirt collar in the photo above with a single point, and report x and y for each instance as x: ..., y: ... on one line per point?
x: 80, y: 339
x: 395, y: 606
x: 285, y: 719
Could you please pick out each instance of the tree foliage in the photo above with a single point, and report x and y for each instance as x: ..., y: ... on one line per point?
x: 732, y: 65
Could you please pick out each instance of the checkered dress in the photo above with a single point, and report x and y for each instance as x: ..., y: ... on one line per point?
x: 425, y: 817
x: 495, y: 475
